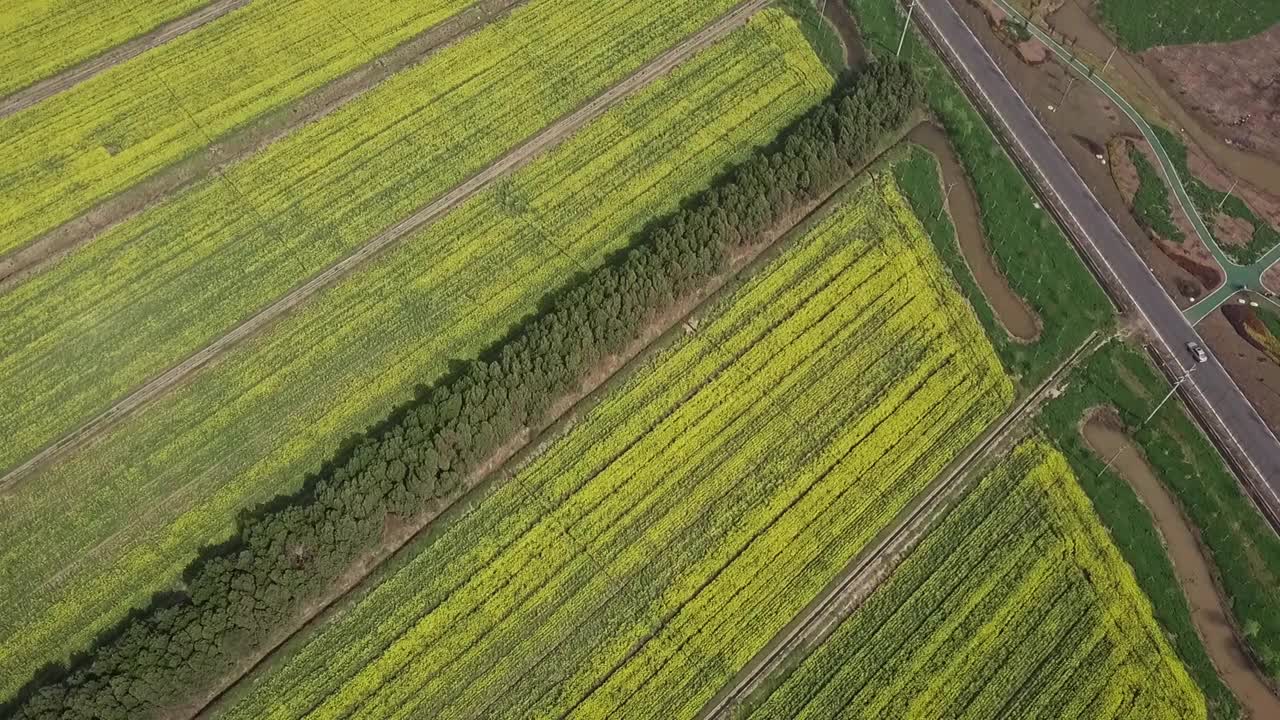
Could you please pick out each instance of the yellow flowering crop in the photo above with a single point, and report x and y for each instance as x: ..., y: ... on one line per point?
x: 92, y: 536
x: 1016, y: 605
x: 151, y: 291
x: 644, y: 557
x: 85, y: 144
x: 39, y: 38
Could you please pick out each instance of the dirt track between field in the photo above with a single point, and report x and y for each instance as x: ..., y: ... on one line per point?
x: 73, y: 76
x: 513, y: 160
x: 866, y: 571
x: 1193, y: 568
x: 17, y: 265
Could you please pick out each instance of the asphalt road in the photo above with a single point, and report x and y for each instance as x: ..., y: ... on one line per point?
x: 1258, y: 447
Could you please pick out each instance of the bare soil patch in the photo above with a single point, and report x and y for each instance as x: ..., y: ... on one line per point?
x: 240, y: 144
x: 1196, y: 573
x: 1161, y: 97
x: 1231, y: 231
x: 1031, y: 50
x: 1263, y: 201
x: 1233, y: 88
x: 1200, y: 271
x: 1250, y: 368
x: 1010, y: 309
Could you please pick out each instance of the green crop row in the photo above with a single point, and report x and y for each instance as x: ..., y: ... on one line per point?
x: 1212, y: 202
x: 1143, y: 24
x: 77, y: 553
x: 644, y: 557
x: 1016, y: 605
x: 39, y: 38
x: 1039, y: 262
x: 152, y: 291
x: 105, y: 134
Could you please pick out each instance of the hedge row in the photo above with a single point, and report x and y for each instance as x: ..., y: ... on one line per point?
x: 248, y: 590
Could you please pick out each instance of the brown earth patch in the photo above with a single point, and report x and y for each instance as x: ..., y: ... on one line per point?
x: 1234, y: 88
x: 1250, y: 368
x: 1191, y: 255
x: 1123, y: 170
x: 1232, y: 231
x: 1196, y: 573
x: 1013, y: 312
x: 1159, y: 99
x: 1245, y: 321
x: 1031, y: 50
x: 240, y: 144
x: 1264, y: 202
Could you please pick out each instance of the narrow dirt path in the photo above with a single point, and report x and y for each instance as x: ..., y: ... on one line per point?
x: 1194, y: 571
x: 513, y: 160
x: 962, y: 205
x: 866, y: 571
x: 71, y: 77
x: 20, y: 264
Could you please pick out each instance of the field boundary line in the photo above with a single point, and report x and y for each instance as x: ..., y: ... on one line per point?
x: 65, y: 80
x: 869, y: 568
x: 514, y: 159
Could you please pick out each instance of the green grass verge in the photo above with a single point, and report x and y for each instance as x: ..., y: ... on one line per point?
x: 1151, y: 203
x: 1210, y: 202
x: 1242, y: 547
x: 1143, y: 24
x: 1029, y: 248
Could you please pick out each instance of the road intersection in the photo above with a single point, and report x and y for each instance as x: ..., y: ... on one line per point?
x: 1211, y: 390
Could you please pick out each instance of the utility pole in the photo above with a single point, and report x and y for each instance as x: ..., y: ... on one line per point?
x: 905, y: 25
x: 1224, y: 197
x: 1172, y: 390
x: 1071, y: 79
x: 822, y: 10
x: 1107, y: 64
x: 945, y: 196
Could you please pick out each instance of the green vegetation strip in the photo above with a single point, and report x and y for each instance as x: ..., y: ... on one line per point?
x: 1029, y: 248
x: 1143, y: 24
x: 40, y: 38
x: 107, y: 133
x: 77, y: 551
x: 1240, y: 544
x: 1211, y: 202
x: 1151, y: 201
x: 1016, y: 605
x: 646, y: 556
x: 240, y: 594
x: 154, y: 290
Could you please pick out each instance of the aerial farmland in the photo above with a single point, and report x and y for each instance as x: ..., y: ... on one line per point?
x: 590, y: 358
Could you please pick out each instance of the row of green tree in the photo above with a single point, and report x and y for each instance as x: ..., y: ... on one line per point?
x: 245, y: 592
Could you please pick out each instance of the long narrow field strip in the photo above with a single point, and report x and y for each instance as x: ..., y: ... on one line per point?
x: 1016, y: 606
x: 644, y: 557
x: 153, y: 291
x: 39, y: 38
x: 80, y: 146
x: 96, y: 534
